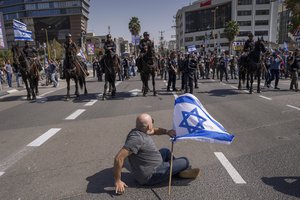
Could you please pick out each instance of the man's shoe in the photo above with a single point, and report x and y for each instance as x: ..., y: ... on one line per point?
x: 277, y: 88
x: 189, y: 173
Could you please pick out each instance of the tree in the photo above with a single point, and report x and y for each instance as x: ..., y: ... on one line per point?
x: 134, y: 27
x: 294, y: 6
x: 231, y: 30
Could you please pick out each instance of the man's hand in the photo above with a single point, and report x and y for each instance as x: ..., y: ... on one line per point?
x: 120, y: 187
x: 171, y: 133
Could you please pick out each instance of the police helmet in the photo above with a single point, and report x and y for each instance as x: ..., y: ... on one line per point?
x: 108, y: 36
x: 68, y: 35
x: 146, y: 34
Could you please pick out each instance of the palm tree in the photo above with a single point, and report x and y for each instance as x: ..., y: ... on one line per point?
x: 294, y: 6
x: 231, y: 30
x: 134, y: 27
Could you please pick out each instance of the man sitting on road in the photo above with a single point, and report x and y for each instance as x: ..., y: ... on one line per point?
x: 149, y: 166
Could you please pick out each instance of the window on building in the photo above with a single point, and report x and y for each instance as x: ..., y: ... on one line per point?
x: 200, y: 37
x: 244, y: 12
x: 262, y: 12
x: 261, y: 33
x: 244, y: 2
x: 244, y: 23
x: 188, y: 39
x: 261, y: 22
x: 262, y: 1
x: 243, y: 33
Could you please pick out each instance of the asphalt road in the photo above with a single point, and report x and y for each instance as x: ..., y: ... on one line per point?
x: 48, y: 153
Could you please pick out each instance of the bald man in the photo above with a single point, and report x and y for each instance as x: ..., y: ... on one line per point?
x: 149, y: 166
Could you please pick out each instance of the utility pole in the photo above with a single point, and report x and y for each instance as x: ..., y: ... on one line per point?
x: 161, y: 40
x: 108, y: 29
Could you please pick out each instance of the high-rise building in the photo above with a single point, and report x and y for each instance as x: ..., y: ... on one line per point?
x: 203, y: 22
x: 47, y: 19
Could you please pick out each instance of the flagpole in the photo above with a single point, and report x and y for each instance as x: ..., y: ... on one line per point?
x: 171, y: 168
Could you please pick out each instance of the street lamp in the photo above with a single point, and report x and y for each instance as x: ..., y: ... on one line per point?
x: 47, y: 42
x: 214, y: 11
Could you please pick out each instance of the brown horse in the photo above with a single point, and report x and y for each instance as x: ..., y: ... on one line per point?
x: 147, y: 65
x: 111, y: 65
x: 29, y: 72
x: 75, y: 70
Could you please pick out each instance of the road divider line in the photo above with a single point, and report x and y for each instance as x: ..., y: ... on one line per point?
x: 236, y: 177
x: 246, y: 91
x: 47, y: 93
x: 293, y: 107
x: 265, y: 97
x: 43, y: 138
x: 92, y: 102
x: 75, y: 114
x: 12, y: 91
x: 222, y: 83
x: 118, y: 82
x: 234, y: 87
x: 1, y: 173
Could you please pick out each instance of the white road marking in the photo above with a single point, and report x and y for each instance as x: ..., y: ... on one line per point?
x: 1, y: 173
x: 246, y: 91
x: 118, y: 82
x: 92, y: 102
x: 265, y: 97
x: 236, y: 177
x: 75, y: 114
x: 47, y: 93
x: 222, y: 83
x: 12, y: 91
x: 165, y: 81
x: 43, y: 138
x: 234, y: 87
x: 293, y: 107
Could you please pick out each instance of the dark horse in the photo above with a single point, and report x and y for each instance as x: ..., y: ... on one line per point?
x: 76, y: 70
x: 111, y: 64
x: 147, y: 66
x: 252, y: 65
x: 29, y: 72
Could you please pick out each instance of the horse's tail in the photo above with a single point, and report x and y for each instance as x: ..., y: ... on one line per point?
x: 81, y: 80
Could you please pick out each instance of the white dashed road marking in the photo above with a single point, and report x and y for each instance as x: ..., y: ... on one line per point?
x: 1, y: 173
x: 234, y: 87
x: 236, y: 177
x: 293, y: 107
x: 43, y: 138
x: 92, y: 102
x: 75, y: 114
x: 12, y: 91
x: 47, y: 93
x: 265, y: 97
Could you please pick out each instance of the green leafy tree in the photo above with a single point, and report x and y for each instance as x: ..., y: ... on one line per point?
x: 134, y: 26
x: 231, y: 30
x: 294, y: 6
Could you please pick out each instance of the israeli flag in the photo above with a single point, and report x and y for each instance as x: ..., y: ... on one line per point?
x: 192, y: 121
x: 19, y: 25
x: 21, y: 35
x: 81, y: 54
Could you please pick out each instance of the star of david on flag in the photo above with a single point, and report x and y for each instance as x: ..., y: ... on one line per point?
x: 192, y: 121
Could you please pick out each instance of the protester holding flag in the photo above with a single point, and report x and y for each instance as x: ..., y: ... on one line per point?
x: 149, y: 165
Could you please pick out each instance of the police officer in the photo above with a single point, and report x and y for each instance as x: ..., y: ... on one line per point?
x: 31, y: 54
x: 294, y: 70
x: 249, y: 44
x: 190, y: 74
x: 70, y: 52
x: 109, y: 45
x: 146, y: 44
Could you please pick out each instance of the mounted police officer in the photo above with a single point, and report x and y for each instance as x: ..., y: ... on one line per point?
x: 31, y: 54
x: 249, y: 44
x: 146, y: 44
x: 109, y: 45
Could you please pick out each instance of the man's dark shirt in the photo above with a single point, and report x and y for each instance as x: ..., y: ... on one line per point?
x: 110, y: 45
x: 249, y: 45
x: 30, y: 52
x: 146, y: 42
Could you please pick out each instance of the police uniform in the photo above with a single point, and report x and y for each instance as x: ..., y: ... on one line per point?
x: 249, y: 45
x: 146, y: 43
x: 70, y: 53
x: 109, y: 45
x: 31, y: 53
x: 190, y: 74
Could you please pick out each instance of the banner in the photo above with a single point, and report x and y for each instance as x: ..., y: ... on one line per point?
x: 136, y: 39
x: 192, y: 121
x: 205, y: 3
x: 3, y: 43
x: 90, y: 49
x: 191, y: 48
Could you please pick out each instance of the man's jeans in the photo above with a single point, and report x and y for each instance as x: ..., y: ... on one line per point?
x: 162, y: 172
x: 53, y: 79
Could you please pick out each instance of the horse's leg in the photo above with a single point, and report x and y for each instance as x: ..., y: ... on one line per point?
x: 32, y: 88
x: 248, y: 77
x: 68, y: 87
x: 240, y: 80
x: 76, y: 87
x: 36, y: 82
x: 251, y: 83
x: 105, y: 88
x: 25, y: 80
x: 258, y: 80
x: 153, y: 83
x: 113, y: 85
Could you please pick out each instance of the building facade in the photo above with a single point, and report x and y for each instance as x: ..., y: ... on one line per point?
x: 203, y: 23
x: 51, y: 19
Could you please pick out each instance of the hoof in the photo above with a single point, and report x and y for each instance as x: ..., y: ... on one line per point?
x: 154, y: 94
x: 258, y: 91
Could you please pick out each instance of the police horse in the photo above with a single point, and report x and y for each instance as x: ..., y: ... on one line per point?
x: 252, y: 65
x: 29, y: 72
x: 111, y: 65
x: 147, y: 65
x: 75, y: 69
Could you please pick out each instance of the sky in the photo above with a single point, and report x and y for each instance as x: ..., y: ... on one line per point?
x: 154, y: 16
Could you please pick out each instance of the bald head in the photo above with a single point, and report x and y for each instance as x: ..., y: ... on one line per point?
x: 143, y: 121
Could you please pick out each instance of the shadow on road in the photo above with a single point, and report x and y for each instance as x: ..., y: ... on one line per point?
x: 289, y: 185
